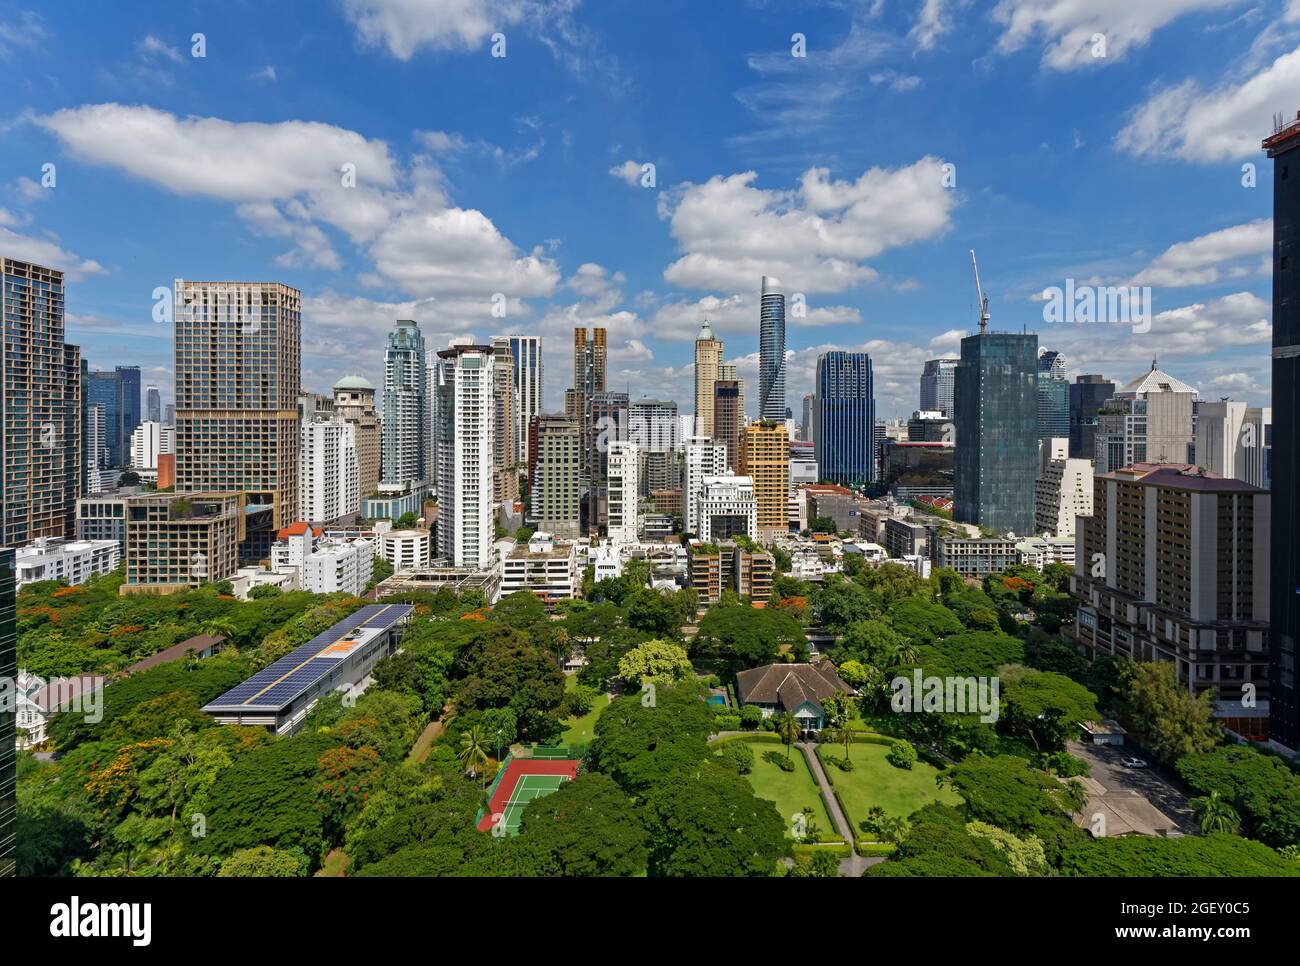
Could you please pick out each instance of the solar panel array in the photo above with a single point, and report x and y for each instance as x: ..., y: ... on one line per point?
x: 277, y: 685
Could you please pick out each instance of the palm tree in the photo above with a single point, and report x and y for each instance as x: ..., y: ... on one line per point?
x: 1216, y: 814
x: 789, y: 729
x: 474, y: 745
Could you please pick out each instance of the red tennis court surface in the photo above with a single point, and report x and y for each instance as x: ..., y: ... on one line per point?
x: 523, y: 780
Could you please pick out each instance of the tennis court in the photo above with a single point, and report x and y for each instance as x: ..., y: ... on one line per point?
x: 521, y: 781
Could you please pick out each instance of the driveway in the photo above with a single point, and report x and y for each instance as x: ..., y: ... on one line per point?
x: 1130, y: 799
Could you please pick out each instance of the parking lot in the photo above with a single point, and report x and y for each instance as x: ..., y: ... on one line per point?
x: 1130, y: 799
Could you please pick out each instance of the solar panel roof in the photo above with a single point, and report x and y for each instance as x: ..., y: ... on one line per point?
x: 278, y: 684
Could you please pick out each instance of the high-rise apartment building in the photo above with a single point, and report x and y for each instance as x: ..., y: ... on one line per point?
x: 465, y: 433
x: 607, y: 422
x: 1283, y: 146
x: 354, y: 400
x: 238, y: 373
x: 554, y: 502
x: 653, y: 425
x: 771, y: 351
x: 175, y: 541
x: 329, y: 476
x: 505, y: 425
x: 526, y: 353
x: 1235, y: 440
x: 1063, y: 490
x: 766, y: 449
x: 41, y: 442
x: 937, y: 386
x: 996, y: 402
x: 704, y: 458
x: 98, y: 478
x: 589, y: 367
x: 808, y: 427
x: 726, y: 508
x: 1088, y: 393
x: 624, y: 492
x: 846, y: 418
x: 708, y: 359
x: 1148, y: 421
x: 1173, y: 566
x: 729, y: 417
x: 406, y: 410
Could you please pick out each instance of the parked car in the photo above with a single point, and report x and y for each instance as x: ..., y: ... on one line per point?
x: 1132, y: 762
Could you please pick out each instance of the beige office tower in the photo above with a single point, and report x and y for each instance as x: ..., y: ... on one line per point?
x: 554, y: 502
x: 766, y: 458
x: 40, y: 407
x: 505, y: 424
x: 708, y: 362
x: 238, y: 371
x: 354, y: 400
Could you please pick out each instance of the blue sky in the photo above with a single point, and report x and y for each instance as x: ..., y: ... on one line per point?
x: 1105, y: 163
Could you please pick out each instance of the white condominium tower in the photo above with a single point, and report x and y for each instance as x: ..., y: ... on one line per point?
x: 464, y: 433
x: 771, y: 351
x: 704, y: 458
x: 330, y: 475
x: 624, y: 492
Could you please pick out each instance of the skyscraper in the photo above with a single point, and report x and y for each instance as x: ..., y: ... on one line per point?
x: 329, y: 487
x: 464, y: 432
x: 1088, y: 393
x: 555, y: 498
x: 846, y: 418
x: 704, y: 458
x: 937, y: 386
x: 405, y: 408
x: 624, y: 492
x: 766, y: 460
x: 771, y: 351
x: 652, y: 425
x: 505, y: 424
x: 808, y: 426
x: 153, y: 404
x: 589, y: 364
x: 354, y: 400
x: 40, y: 407
x: 728, y: 418
x: 608, y: 421
x: 526, y: 351
x: 1053, y: 397
x: 1283, y: 146
x: 95, y: 451
x: 995, y: 400
x: 708, y: 359
x: 238, y: 373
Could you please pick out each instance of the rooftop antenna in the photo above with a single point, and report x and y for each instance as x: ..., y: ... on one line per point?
x: 979, y: 292
x: 1277, y: 121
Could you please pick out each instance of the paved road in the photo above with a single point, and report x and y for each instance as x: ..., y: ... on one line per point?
x: 1145, y: 782
x: 854, y: 865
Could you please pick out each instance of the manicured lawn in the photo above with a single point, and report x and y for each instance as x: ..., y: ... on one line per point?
x: 580, y: 729
x: 874, y: 781
x: 792, y: 791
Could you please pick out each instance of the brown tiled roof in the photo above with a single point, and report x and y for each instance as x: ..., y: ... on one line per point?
x: 200, y: 643
x: 789, y: 685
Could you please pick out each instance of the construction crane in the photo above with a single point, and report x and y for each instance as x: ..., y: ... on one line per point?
x: 979, y: 292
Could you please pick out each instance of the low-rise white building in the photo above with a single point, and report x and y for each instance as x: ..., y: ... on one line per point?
x: 247, y: 579
x: 37, y: 701
x: 405, y: 549
x: 76, y: 561
x: 1038, y: 552
x: 340, y: 565
x: 546, y: 567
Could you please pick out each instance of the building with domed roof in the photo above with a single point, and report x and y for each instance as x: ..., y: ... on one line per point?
x: 354, y: 400
x: 708, y: 362
x: 1148, y: 421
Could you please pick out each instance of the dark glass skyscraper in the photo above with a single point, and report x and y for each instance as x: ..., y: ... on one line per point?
x: 996, y: 398
x: 1053, y: 397
x: 846, y: 418
x: 1087, y: 394
x: 1284, y: 712
x: 119, y: 393
x: 771, y: 351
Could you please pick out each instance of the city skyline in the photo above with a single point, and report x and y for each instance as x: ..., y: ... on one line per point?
x: 649, y: 269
